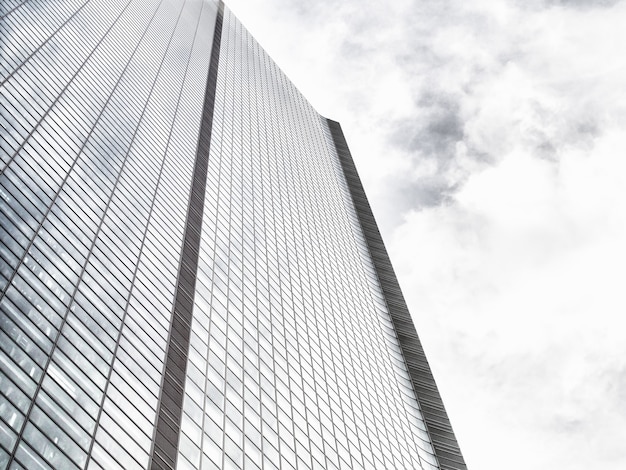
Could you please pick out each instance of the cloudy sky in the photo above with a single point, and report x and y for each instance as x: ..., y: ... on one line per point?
x: 490, y: 137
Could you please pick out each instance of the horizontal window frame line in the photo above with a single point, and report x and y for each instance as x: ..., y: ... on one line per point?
x: 69, y: 82
x: 66, y: 179
x: 164, y: 451
x: 4, y: 15
x: 25, y: 60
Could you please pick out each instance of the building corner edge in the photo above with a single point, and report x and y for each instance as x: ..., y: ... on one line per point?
x: 444, y: 442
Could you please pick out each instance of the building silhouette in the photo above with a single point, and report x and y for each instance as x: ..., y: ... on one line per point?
x: 190, y: 273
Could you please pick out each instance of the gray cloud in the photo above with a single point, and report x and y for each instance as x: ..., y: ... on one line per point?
x: 584, y: 3
x: 439, y: 128
x: 424, y: 192
x: 430, y: 138
x: 432, y: 135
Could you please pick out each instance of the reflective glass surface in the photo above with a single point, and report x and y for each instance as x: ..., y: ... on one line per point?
x: 100, y: 105
x: 293, y: 360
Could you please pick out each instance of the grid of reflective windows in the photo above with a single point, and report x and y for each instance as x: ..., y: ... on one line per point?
x: 293, y: 361
x: 100, y: 108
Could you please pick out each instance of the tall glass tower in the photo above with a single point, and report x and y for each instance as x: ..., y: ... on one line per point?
x: 190, y: 273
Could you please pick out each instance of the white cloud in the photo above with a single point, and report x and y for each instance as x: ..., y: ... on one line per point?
x: 517, y: 289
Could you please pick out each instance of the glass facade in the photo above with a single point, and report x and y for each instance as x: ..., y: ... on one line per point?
x: 188, y: 276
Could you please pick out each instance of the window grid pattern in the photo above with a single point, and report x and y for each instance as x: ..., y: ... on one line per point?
x: 96, y: 153
x: 289, y: 363
x: 398, y: 360
x: 293, y: 360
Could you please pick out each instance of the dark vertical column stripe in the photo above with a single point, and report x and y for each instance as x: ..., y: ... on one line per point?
x: 169, y: 412
x: 445, y: 444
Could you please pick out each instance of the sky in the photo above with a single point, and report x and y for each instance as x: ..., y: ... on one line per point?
x: 490, y: 139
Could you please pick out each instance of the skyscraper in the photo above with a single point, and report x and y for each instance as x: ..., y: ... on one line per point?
x: 190, y: 273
